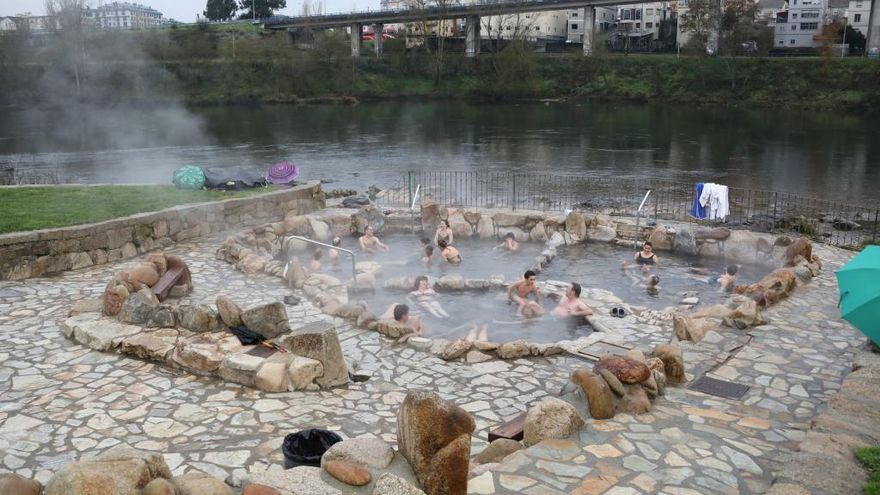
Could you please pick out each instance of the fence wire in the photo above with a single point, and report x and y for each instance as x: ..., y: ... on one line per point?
x: 833, y: 222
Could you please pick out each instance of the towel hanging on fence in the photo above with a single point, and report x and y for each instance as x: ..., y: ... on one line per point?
x: 714, y: 198
x: 698, y: 211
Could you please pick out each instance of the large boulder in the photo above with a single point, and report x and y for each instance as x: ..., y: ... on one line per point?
x: 513, y: 350
x: 689, y: 328
x: 598, y: 393
x: 716, y: 233
x: 230, y: 313
x: 100, y: 334
x: 485, y: 228
x: 626, y: 369
x: 801, y: 247
x: 393, y: 329
x: 13, y: 484
x: 120, y: 471
x: 635, y: 401
x: 434, y: 435
x: 774, y: 287
x: 601, y: 233
x: 450, y: 283
x: 368, y: 216
x: 673, y: 362
x: 461, y: 228
x: 456, y: 349
x: 348, y: 472
x: 114, y: 296
x: 576, y: 226
x: 367, y: 450
x: 138, y: 308
x: 205, y: 351
x: 240, y: 368
x: 685, y: 242
x: 297, y: 224
x: 497, y: 451
x: 507, y: 219
x: 269, y: 320
x: 741, y: 246
x: 430, y: 216
x: 196, y: 483
x: 661, y: 239
x: 538, y: 233
x: 551, y: 418
x: 319, y: 341
x: 391, y: 484
x: 302, y: 373
x: 197, y: 317
x: 154, y: 345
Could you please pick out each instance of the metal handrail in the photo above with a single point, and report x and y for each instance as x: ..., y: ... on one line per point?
x: 639, y: 211
x: 412, y: 207
x: 337, y: 248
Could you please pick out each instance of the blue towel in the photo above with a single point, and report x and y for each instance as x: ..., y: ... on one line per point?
x: 697, y: 210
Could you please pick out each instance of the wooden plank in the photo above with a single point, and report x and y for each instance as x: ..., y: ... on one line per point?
x: 163, y: 286
x: 513, y: 429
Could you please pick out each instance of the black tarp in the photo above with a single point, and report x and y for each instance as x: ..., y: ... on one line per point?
x: 218, y: 177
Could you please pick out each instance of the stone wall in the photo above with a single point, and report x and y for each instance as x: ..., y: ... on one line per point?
x: 40, y: 252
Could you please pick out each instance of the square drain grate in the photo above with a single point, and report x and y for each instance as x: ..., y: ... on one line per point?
x: 719, y: 388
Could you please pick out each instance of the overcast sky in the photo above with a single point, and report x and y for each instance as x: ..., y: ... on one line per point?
x: 184, y: 10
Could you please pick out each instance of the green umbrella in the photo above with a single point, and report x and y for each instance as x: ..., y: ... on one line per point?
x: 859, y: 285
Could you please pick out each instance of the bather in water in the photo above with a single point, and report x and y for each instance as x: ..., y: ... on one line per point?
x: 423, y: 296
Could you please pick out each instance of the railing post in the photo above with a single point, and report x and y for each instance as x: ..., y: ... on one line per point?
x: 513, y: 197
x: 876, y: 218
x: 773, y: 222
x: 409, y: 183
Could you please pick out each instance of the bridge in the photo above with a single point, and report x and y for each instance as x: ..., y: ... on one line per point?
x: 470, y: 12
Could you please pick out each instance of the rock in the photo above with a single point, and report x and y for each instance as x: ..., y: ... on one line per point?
x: 240, y: 368
x: 295, y: 274
x: 301, y: 480
x: 803, y: 274
x: 661, y: 239
x: 598, y: 393
x: 497, y: 451
x: 507, y: 219
x: 485, y: 228
x: 138, y: 307
x: 774, y: 287
x: 538, y: 233
x: 477, y: 284
x: 151, y: 345
x: 13, y: 484
x: 195, y: 483
x: 673, y: 362
x: 461, y: 228
x: 626, y: 369
x: 120, y: 471
x: 430, y: 215
x: 576, y: 226
x: 800, y: 247
x: 319, y: 341
x: 613, y: 383
x: 95, y: 305
x: 366, y: 450
x: 367, y: 216
x: 651, y: 387
x: 456, y: 349
x: 717, y: 233
x: 114, y: 296
x: 303, y: 372
x: 355, y: 201
x: 159, y: 486
x: 348, y: 472
x: 272, y: 376
x: 257, y: 489
x: 100, y: 334
x: 601, y: 233
x: 450, y: 283
x: 741, y: 246
x: 551, y: 418
x: 390, y: 484
x: 637, y: 355
x: 320, y: 230
x: 269, y: 320
x: 660, y: 380
x: 297, y: 225
x: 229, y: 312
x: 393, y: 329
x: 635, y: 401
x: 655, y: 364
x: 690, y: 301
x: 689, y: 329
x: 400, y: 283
x: 477, y: 357
x: 513, y: 350
x: 434, y: 435
x: 197, y: 317
x: 685, y: 242
x: 204, y: 352
x: 486, y: 346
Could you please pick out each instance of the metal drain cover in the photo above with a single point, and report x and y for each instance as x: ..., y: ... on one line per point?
x: 719, y: 388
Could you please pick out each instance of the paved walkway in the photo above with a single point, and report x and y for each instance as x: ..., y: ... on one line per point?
x: 60, y: 401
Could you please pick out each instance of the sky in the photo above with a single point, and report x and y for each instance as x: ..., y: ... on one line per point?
x: 186, y: 10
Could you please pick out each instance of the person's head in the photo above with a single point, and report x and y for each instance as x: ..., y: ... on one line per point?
x: 425, y: 241
x: 647, y: 247
x: 442, y: 244
x: 574, y: 290
x: 368, y: 231
x: 509, y: 236
x: 653, y: 280
x: 530, y: 276
x: 531, y: 310
x: 401, y: 313
x: 444, y: 224
x: 317, y: 255
x: 732, y: 269
x: 421, y: 283
x: 336, y: 241
x: 429, y: 251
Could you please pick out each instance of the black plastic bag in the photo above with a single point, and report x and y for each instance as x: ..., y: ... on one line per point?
x: 247, y: 336
x: 305, y: 448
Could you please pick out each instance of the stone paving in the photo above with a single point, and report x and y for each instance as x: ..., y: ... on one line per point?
x: 60, y: 401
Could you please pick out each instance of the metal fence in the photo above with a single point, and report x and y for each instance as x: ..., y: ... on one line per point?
x: 833, y: 222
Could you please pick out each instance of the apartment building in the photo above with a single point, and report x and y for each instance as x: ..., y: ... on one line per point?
x: 799, y: 26
x: 603, y: 22
x: 123, y: 15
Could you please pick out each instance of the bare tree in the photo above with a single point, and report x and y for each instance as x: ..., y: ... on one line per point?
x: 426, y: 29
x: 67, y: 19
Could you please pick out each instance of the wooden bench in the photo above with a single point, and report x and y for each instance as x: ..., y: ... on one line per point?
x: 169, y: 280
x: 512, y: 430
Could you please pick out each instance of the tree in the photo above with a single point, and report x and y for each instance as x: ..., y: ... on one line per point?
x: 700, y: 20
x: 265, y: 8
x: 426, y: 29
x: 65, y: 18
x: 220, y: 10
x: 738, y: 24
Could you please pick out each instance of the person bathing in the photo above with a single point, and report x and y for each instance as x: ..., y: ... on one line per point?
x: 315, y: 265
x: 423, y: 295
x: 510, y: 244
x: 728, y: 279
x: 370, y: 243
x: 443, y: 233
x: 333, y: 254
x: 519, y: 291
x: 449, y: 253
x: 571, y: 304
x: 646, y: 259
x: 400, y: 313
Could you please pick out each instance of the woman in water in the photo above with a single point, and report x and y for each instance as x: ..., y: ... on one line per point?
x: 443, y: 233
x: 427, y: 255
x: 423, y: 295
x: 449, y: 253
x: 646, y: 259
x: 510, y: 244
x: 333, y: 254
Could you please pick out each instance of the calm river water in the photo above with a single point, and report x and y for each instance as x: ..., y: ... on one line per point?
x: 835, y: 156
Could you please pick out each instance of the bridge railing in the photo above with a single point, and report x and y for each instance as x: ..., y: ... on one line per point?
x: 834, y: 222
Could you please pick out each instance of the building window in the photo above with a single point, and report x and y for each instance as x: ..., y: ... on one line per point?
x: 794, y: 27
x: 791, y: 42
x: 857, y: 18
x: 806, y: 26
x: 649, y: 11
x: 808, y: 15
x: 574, y: 26
x: 781, y: 42
x: 575, y: 14
x: 638, y: 25
x: 537, y: 28
x: 649, y: 25
x: 794, y: 16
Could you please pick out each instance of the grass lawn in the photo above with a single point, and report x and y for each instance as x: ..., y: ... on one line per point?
x: 870, y: 458
x: 30, y: 208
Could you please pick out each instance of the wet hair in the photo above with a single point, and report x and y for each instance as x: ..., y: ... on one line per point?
x: 576, y: 288
x: 510, y: 235
x: 442, y: 243
x: 400, y: 311
x: 336, y: 241
x: 426, y: 241
x: 655, y: 279
x: 367, y: 229
x: 317, y: 255
x: 419, y: 281
x: 529, y: 274
x: 429, y: 250
x: 647, y: 243
x: 732, y: 269
x: 445, y: 222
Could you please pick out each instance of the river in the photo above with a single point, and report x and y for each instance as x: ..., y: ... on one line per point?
x: 829, y: 155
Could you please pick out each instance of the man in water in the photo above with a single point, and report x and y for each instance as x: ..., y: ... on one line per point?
x: 333, y: 254
x: 400, y: 313
x: 510, y: 243
x: 571, y: 304
x: 370, y: 243
x: 728, y: 279
x: 519, y: 291
x: 651, y: 285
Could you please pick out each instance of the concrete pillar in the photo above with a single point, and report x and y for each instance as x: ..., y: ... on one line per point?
x: 472, y: 36
x: 377, y: 38
x: 356, y: 33
x: 589, y: 26
x: 873, y: 35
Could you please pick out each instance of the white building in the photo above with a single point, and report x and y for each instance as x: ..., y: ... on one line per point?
x: 551, y: 25
x: 768, y: 10
x: 8, y: 24
x: 603, y: 22
x: 123, y: 15
x: 856, y: 13
x: 799, y: 26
